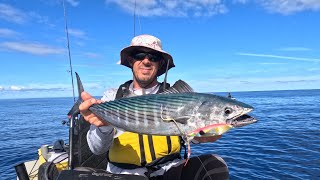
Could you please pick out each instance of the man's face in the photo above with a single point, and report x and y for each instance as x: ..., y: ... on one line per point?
x: 144, y: 69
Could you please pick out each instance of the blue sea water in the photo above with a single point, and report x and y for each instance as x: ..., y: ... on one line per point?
x: 284, y: 144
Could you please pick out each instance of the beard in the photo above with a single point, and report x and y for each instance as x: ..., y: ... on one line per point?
x: 144, y: 80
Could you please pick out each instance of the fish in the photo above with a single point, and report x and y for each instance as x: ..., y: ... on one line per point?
x: 178, y: 111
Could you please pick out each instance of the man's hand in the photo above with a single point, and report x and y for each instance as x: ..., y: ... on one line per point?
x: 88, y: 100
x: 204, y: 139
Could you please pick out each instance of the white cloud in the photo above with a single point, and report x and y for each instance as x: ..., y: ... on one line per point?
x: 46, y: 87
x: 73, y: 3
x: 40, y: 19
x: 280, y: 57
x: 19, y: 16
x: 295, y: 49
x: 287, y: 7
x: 178, y: 8
x: 37, y: 87
x: 32, y: 48
x: 272, y: 63
x: 12, y: 14
x: 241, y: 1
x: 4, y: 32
x: 207, y: 8
x: 15, y: 88
x: 314, y: 69
x: 77, y: 33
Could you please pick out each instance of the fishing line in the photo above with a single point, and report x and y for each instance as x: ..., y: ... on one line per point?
x: 68, y: 45
x: 182, y: 132
x: 134, y: 18
x: 139, y: 23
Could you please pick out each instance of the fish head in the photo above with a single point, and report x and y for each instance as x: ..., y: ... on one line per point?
x: 224, y: 111
x: 217, y: 114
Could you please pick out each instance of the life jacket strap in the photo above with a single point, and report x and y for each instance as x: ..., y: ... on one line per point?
x: 142, y: 153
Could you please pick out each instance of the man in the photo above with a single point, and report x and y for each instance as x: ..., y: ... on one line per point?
x: 157, y: 157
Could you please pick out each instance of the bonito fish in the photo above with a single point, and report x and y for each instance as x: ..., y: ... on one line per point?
x: 178, y: 111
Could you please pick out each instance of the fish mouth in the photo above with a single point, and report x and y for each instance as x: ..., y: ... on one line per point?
x: 243, y: 120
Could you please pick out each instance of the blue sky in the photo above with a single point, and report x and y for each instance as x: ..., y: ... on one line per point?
x: 217, y: 46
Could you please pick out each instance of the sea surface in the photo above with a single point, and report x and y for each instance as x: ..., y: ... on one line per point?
x: 283, y: 144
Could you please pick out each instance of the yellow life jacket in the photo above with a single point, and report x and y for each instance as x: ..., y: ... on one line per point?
x: 140, y: 150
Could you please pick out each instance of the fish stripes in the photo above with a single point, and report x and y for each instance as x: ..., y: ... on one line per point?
x: 162, y: 114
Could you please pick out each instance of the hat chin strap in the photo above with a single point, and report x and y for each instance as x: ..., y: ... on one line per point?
x: 165, y: 76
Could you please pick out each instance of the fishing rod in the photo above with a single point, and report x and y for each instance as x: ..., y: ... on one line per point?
x: 74, y: 116
x: 68, y: 45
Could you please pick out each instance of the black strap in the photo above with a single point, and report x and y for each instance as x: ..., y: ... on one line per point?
x: 142, y: 153
x: 123, y: 89
x: 151, y: 147
x: 156, y: 164
x: 169, y: 144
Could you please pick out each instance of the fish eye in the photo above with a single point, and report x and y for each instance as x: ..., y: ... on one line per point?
x: 227, y: 110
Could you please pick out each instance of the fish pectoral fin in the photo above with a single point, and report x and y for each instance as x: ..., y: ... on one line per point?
x: 182, y: 120
x: 168, y: 119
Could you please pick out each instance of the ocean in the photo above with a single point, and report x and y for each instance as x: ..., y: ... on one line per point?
x: 283, y: 144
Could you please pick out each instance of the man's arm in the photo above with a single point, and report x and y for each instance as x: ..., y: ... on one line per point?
x: 100, y: 135
x: 100, y: 139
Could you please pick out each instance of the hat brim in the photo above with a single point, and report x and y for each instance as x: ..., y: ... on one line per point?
x: 126, y: 52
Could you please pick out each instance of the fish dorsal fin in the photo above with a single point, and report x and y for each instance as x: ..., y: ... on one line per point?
x: 178, y: 87
x: 79, y: 83
x: 75, y: 108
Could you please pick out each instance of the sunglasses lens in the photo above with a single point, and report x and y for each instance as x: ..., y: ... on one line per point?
x: 139, y: 56
x: 142, y: 56
x: 154, y: 58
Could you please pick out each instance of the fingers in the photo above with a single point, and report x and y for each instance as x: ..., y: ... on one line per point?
x: 88, y: 101
x: 85, y: 96
x: 94, y: 120
x: 84, y: 106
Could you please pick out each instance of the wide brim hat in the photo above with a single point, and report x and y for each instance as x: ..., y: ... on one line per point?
x: 148, y: 44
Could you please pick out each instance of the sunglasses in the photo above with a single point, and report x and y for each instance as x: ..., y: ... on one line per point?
x: 152, y: 57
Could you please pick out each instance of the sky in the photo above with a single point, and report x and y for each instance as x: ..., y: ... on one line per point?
x: 217, y: 46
